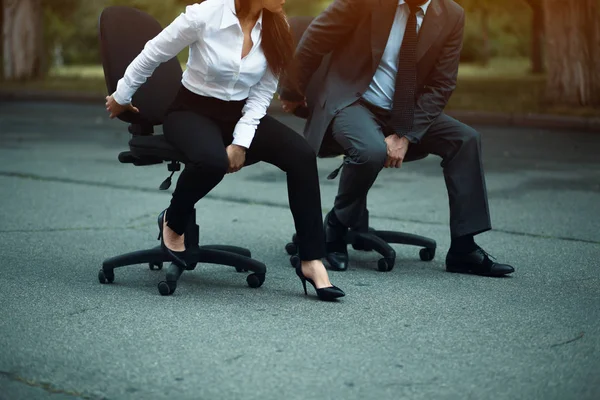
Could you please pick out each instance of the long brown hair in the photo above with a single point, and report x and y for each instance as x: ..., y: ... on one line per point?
x: 277, y: 40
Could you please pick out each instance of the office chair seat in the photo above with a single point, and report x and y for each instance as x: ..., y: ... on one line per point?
x: 123, y: 32
x: 156, y: 149
x: 155, y: 146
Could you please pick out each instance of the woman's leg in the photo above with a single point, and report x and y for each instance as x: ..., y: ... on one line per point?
x: 199, y: 139
x: 279, y: 145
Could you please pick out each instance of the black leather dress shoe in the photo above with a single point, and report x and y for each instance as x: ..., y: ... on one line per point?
x: 477, y: 262
x: 335, y: 243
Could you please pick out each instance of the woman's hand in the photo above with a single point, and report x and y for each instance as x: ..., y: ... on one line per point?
x: 237, y: 156
x: 115, y: 109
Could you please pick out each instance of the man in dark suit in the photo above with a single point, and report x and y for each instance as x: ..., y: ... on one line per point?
x: 389, y: 68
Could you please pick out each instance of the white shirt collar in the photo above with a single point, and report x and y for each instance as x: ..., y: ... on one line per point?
x: 230, y: 17
x: 424, y: 7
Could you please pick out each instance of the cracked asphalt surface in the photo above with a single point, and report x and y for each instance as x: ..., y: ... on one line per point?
x: 416, y: 332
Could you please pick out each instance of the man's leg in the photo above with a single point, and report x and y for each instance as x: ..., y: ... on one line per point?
x: 459, y: 146
x: 357, y: 130
x: 359, y: 133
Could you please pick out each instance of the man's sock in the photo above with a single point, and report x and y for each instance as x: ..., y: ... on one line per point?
x: 463, y: 244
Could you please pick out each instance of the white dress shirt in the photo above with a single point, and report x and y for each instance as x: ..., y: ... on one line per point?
x: 381, y: 89
x: 215, y: 67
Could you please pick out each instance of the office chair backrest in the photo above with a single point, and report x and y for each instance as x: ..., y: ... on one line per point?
x: 123, y: 33
x: 298, y: 26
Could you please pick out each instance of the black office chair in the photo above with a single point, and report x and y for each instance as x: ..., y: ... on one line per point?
x: 123, y: 32
x: 363, y: 238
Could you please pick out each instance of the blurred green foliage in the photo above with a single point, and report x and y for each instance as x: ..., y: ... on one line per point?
x: 508, y: 29
x: 71, y: 25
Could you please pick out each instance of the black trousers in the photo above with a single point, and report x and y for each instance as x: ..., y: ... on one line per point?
x: 360, y: 130
x: 202, y: 127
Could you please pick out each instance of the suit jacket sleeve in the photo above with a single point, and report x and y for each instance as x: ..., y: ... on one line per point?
x: 439, y: 85
x: 325, y: 33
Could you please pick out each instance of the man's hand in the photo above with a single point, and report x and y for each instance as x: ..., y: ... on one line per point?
x: 396, y: 150
x: 237, y: 156
x: 291, y: 106
x: 115, y: 109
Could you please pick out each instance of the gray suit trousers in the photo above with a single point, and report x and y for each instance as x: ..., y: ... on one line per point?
x: 359, y: 129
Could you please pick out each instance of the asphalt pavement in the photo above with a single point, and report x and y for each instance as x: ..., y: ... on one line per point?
x: 416, y: 332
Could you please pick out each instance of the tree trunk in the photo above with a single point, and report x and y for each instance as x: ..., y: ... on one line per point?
x: 22, y: 39
x: 573, y: 49
x: 537, y: 38
x: 485, y: 36
x: 1, y: 40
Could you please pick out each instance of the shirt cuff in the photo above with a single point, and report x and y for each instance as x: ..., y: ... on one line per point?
x: 122, y: 94
x: 411, y: 139
x: 243, y: 135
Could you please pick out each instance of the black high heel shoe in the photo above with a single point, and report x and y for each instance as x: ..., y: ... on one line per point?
x: 178, y: 257
x: 326, y: 294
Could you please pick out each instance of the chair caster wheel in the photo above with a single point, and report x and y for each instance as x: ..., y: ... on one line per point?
x: 427, y: 254
x: 295, y: 261
x: 239, y: 269
x: 106, y: 276
x: 385, y: 264
x: 255, y: 280
x: 291, y: 248
x: 155, y: 266
x: 166, y: 288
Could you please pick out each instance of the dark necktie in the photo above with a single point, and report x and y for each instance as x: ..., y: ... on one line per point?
x: 403, y: 107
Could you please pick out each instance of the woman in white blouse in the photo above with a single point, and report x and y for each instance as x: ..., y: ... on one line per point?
x: 238, y: 51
